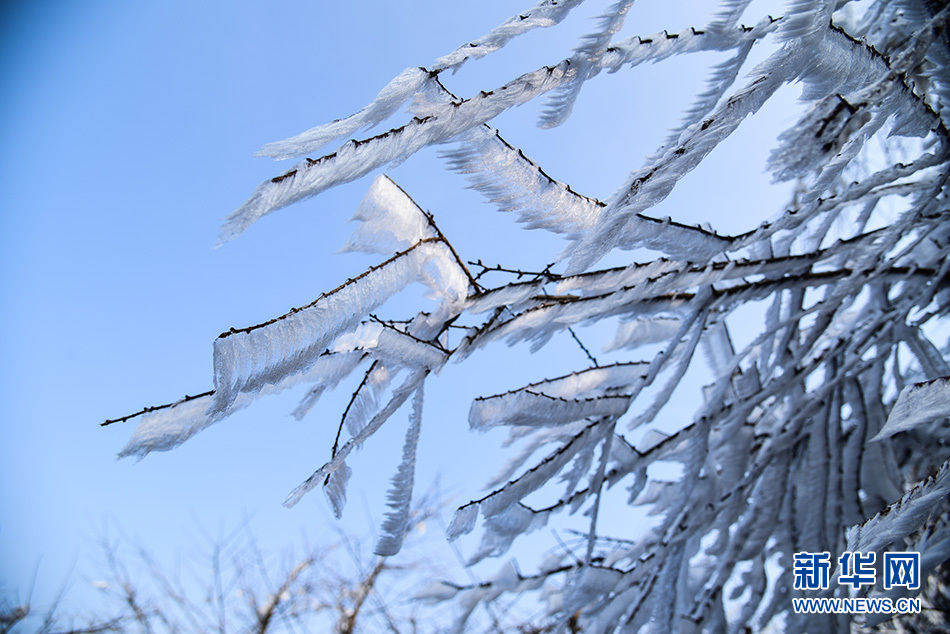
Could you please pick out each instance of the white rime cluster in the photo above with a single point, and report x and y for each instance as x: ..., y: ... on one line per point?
x: 823, y: 326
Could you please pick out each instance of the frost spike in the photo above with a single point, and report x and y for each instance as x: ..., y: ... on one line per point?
x: 400, y: 494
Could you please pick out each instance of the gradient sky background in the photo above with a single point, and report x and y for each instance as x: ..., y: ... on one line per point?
x: 127, y: 131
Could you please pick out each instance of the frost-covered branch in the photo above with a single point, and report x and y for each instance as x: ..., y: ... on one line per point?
x: 823, y: 325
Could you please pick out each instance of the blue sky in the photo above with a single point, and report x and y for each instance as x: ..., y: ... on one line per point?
x: 128, y: 132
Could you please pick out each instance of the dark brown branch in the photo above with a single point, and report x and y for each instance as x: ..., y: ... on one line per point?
x: 406, y: 333
x: 146, y: 410
x: 498, y: 268
x: 583, y: 347
x: 353, y: 397
x: 347, y: 623
x: 265, y: 616
x: 431, y: 220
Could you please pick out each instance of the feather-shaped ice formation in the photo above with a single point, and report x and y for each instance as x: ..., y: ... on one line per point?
x: 246, y: 360
x: 724, y: 75
x: 410, y: 81
x: 727, y: 14
x: 399, y: 397
x: 329, y: 370
x: 354, y: 158
x: 513, y: 182
x: 463, y: 522
x: 512, y: 296
x: 553, y: 402
x: 501, y: 529
x: 639, y: 332
x: 586, y: 56
x: 834, y: 120
x: 335, y: 489
x: 537, y: 409
x: 365, y: 401
x: 806, y: 20
x: 851, y: 276
x: 536, y: 477
x: 904, y: 516
x: 918, y: 405
x: 544, y: 14
x: 392, y: 346
x: 637, y: 50
x: 397, y: 92
x: 620, y: 223
x: 436, y: 592
x: 389, y: 220
x: 593, y: 381
x: 400, y: 493
x: 168, y: 427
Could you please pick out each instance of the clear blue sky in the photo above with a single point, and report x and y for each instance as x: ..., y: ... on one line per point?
x: 127, y: 131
